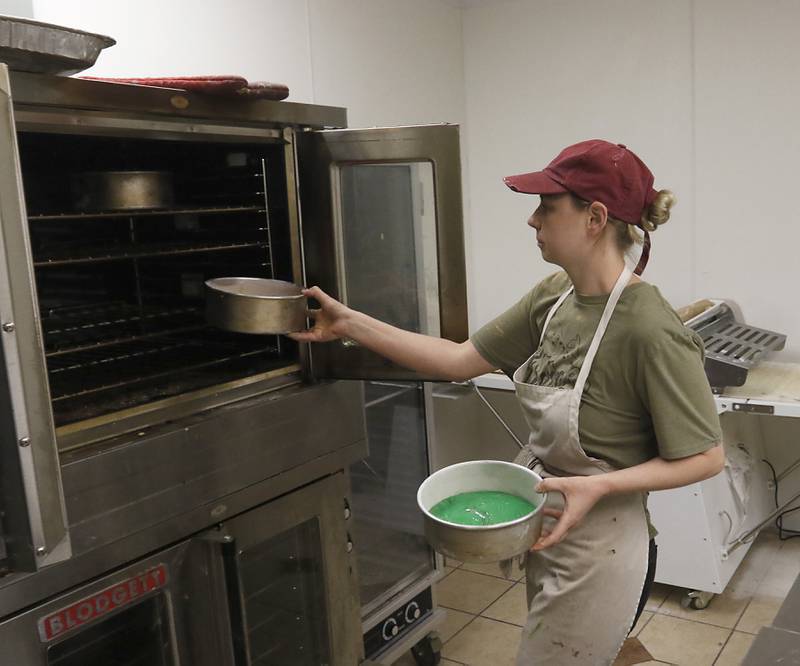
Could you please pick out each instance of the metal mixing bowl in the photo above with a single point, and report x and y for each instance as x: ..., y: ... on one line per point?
x: 482, y: 543
x: 255, y: 305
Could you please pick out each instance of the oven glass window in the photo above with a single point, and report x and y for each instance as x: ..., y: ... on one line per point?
x: 284, y: 599
x: 388, y: 258
x: 137, y: 636
x: 389, y: 529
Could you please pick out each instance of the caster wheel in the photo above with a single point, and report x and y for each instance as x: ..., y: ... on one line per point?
x: 427, y: 651
x: 697, y: 600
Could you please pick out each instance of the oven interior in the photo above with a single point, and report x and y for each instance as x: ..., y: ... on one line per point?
x: 121, y: 292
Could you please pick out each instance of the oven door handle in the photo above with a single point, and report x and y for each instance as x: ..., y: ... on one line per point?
x: 236, y: 611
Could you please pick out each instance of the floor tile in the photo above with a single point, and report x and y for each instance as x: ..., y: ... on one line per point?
x: 644, y: 618
x: 760, y: 612
x: 470, y: 592
x: 735, y: 649
x: 511, y: 607
x: 493, y: 569
x: 781, y: 574
x: 791, y: 545
x: 444, y: 662
x: 724, y: 610
x: 454, y: 622
x: 658, y: 593
x: 682, y: 642
x: 485, y: 642
x: 632, y: 652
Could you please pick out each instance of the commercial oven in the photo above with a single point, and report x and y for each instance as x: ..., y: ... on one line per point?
x: 143, y: 448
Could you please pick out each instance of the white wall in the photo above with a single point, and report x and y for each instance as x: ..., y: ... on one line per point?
x: 387, y: 62
x: 704, y: 91
x: 258, y: 39
x: 542, y: 75
x: 22, y: 8
x: 748, y: 159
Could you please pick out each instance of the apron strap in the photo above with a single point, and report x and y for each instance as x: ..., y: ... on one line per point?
x: 622, y: 282
x: 552, y: 311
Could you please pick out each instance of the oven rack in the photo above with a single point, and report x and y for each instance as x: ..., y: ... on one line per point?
x: 142, y: 251
x: 93, y: 370
x: 155, y: 212
x: 81, y: 328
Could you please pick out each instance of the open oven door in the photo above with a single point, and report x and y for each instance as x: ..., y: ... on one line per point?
x: 33, y: 531
x: 383, y: 232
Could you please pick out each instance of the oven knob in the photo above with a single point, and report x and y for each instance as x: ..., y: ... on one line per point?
x: 412, y: 612
x: 390, y: 629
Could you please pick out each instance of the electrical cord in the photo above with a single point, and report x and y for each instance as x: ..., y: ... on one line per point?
x: 790, y: 534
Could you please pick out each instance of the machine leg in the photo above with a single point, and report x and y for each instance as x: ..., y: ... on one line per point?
x: 428, y: 652
x: 697, y: 599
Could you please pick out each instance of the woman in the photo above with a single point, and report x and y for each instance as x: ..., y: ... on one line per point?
x: 612, y: 387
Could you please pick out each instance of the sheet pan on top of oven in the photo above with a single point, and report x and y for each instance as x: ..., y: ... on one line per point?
x: 732, y: 347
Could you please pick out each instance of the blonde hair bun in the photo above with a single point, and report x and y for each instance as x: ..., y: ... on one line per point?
x: 657, y: 213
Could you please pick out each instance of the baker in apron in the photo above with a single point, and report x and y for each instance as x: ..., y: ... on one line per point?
x: 586, y: 574
x: 599, y: 571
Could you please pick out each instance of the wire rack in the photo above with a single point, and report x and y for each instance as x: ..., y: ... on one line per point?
x: 123, y: 314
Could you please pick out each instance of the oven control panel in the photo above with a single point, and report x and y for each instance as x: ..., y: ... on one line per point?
x: 397, y: 622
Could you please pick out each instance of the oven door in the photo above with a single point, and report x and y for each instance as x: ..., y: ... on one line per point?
x: 165, y: 610
x: 383, y: 233
x: 291, y: 579
x: 34, y: 526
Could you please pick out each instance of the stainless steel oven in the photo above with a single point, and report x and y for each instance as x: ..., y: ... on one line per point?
x: 262, y: 588
x: 129, y: 426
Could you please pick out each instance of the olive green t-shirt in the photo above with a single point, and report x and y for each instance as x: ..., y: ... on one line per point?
x: 646, y: 395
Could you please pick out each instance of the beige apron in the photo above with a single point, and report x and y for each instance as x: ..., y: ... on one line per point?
x: 583, y: 592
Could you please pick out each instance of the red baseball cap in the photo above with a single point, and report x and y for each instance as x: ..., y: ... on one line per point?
x: 595, y: 170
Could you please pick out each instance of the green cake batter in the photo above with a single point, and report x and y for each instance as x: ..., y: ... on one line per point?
x: 483, y: 507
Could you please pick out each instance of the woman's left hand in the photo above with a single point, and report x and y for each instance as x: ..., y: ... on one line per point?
x: 581, y: 493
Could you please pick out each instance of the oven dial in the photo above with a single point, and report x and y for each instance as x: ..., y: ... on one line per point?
x: 390, y: 629
x: 412, y: 612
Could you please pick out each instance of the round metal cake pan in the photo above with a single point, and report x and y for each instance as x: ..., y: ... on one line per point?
x: 94, y: 191
x: 255, y: 305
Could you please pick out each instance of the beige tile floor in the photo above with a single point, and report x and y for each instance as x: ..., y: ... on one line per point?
x: 485, y: 614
